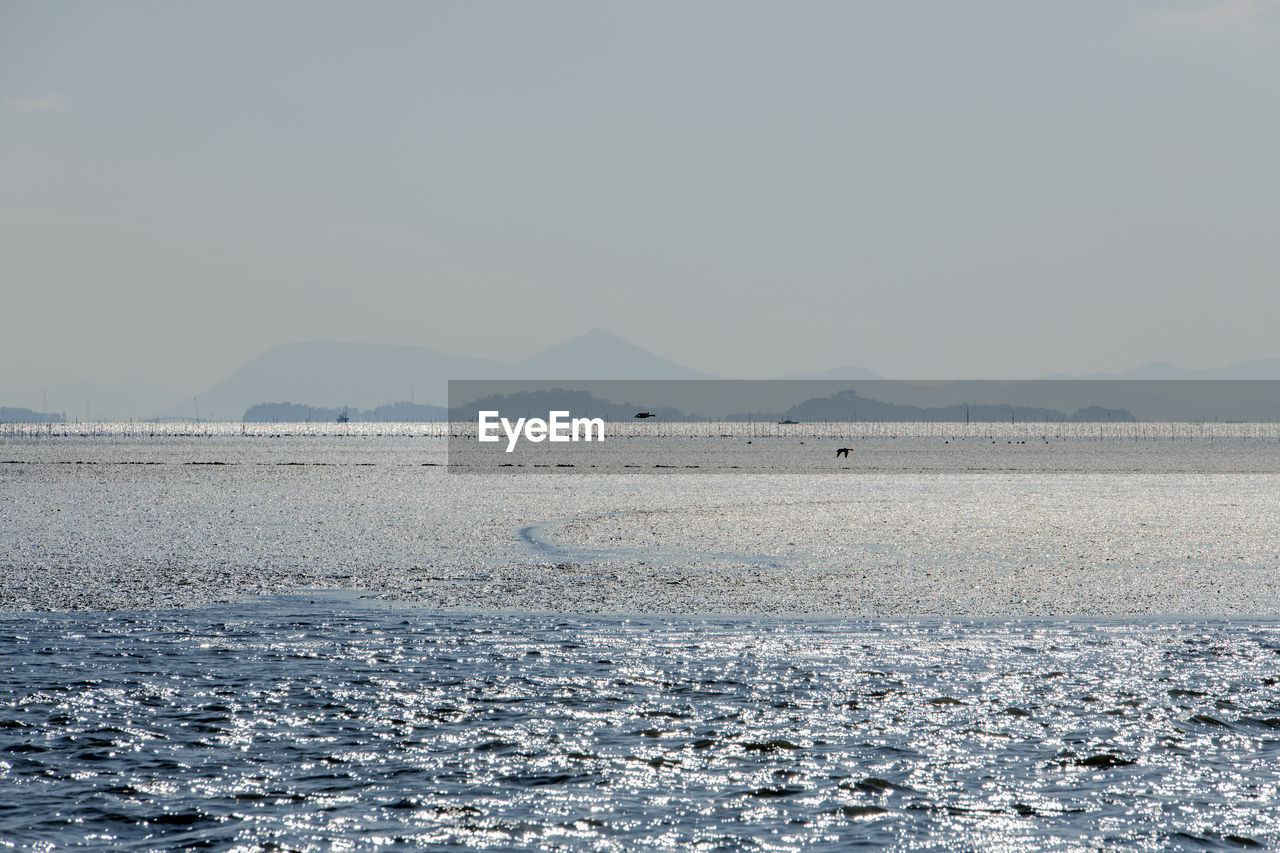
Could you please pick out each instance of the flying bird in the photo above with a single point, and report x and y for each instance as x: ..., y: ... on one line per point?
x: 645, y: 415
x: 843, y: 451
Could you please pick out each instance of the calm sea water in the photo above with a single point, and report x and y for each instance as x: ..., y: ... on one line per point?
x: 328, y: 722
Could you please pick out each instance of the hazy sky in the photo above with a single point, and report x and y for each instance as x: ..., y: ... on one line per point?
x: 924, y: 189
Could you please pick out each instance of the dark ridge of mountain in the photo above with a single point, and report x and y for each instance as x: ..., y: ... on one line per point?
x: 845, y: 372
x: 1152, y: 400
x: 19, y: 415
x: 976, y: 401
x: 848, y: 405
x: 843, y: 406
x: 600, y: 354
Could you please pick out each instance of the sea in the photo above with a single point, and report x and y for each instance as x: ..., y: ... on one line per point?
x: 306, y: 637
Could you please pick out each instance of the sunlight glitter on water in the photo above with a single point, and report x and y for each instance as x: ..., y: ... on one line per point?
x: 360, y: 726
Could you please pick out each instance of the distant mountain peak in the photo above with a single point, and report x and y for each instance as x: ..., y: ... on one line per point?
x: 599, y: 333
x: 602, y: 354
x: 337, y: 374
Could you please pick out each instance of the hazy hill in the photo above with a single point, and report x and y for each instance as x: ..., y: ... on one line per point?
x: 329, y: 375
x: 600, y: 354
x: 326, y: 374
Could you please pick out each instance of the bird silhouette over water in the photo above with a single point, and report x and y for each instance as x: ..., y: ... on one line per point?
x: 843, y: 451
x: 645, y: 415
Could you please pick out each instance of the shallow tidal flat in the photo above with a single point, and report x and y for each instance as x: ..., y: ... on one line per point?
x: 114, y: 521
x: 635, y: 661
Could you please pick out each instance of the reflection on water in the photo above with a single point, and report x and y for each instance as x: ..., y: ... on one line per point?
x: 306, y: 723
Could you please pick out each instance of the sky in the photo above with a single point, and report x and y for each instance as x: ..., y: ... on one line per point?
x: 979, y: 189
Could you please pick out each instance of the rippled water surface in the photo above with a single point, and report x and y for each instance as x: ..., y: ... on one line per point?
x: 310, y: 722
